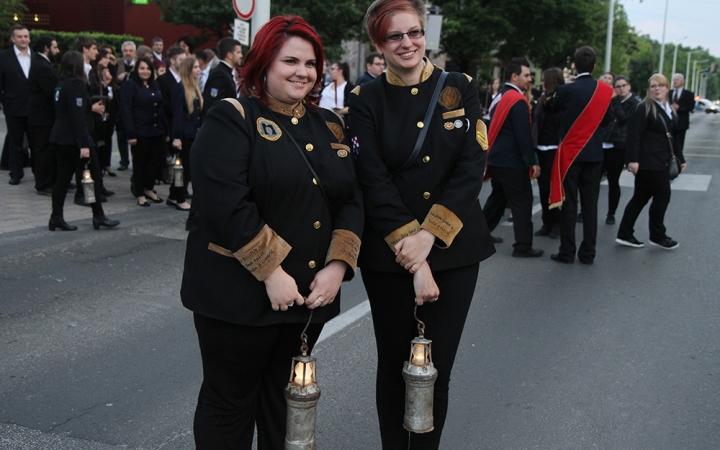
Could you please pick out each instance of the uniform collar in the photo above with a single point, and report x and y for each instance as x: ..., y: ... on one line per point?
x: 514, y: 87
x: 395, y: 79
x: 296, y: 110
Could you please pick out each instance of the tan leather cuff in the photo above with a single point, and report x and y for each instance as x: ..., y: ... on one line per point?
x: 401, y: 233
x: 443, y: 223
x: 344, y: 246
x: 264, y: 253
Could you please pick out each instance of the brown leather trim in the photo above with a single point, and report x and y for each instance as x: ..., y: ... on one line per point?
x: 222, y: 251
x: 443, y: 223
x: 262, y: 255
x: 237, y: 105
x: 454, y: 114
x: 481, y: 135
x: 395, y: 79
x: 401, y: 233
x: 344, y: 246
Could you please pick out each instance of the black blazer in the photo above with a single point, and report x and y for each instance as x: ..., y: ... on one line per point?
x: 184, y: 124
x: 620, y: 114
x: 14, y: 87
x: 71, y: 108
x: 219, y: 85
x: 513, y: 147
x: 257, y: 207
x: 141, y: 111
x: 166, y: 82
x: 686, y: 104
x: 647, y: 141
x: 570, y: 100
x: 42, y: 82
x: 439, y: 191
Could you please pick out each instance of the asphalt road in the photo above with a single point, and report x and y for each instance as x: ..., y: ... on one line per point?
x: 98, y: 353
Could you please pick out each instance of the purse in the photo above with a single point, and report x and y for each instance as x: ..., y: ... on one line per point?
x: 673, y: 168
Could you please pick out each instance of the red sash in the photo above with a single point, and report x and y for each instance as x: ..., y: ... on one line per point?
x: 579, y: 134
x: 507, y: 101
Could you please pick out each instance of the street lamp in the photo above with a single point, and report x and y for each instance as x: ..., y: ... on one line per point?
x: 672, y: 74
x: 687, y: 71
x: 608, y: 41
x: 662, y: 47
x: 694, y: 78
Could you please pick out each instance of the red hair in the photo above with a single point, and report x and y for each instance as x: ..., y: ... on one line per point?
x: 377, y: 18
x: 268, y: 41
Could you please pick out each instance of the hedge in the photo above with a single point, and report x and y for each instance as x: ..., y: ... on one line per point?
x: 66, y: 41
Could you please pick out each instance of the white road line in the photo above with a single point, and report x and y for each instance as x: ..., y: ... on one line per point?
x: 344, y: 320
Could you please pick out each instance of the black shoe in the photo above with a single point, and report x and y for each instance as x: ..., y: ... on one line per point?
x: 72, y: 186
x: 588, y: 261
x: 81, y: 202
x: 155, y: 200
x: 14, y: 181
x: 529, y: 253
x: 496, y: 239
x: 59, y: 222
x: 578, y: 219
x: 560, y: 259
x: 109, y: 173
x: 104, y: 221
x: 610, y: 219
x: 543, y: 231
x: 175, y: 204
x: 46, y: 192
x: 107, y: 193
x: 103, y: 199
x: 122, y: 167
x: 630, y: 242
x: 667, y: 244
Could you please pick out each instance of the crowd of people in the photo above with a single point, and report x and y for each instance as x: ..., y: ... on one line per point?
x: 299, y: 177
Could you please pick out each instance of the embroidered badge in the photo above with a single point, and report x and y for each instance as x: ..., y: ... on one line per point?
x: 355, y: 146
x: 78, y: 101
x: 268, y: 129
x: 458, y: 123
x: 449, y: 126
x: 342, y: 153
x: 213, y: 92
x: 450, y: 97
x: 337, y: 130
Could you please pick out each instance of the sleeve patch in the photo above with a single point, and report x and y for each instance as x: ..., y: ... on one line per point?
x: 237, y: 105
x: 481, y: 134
x: 356, y: 91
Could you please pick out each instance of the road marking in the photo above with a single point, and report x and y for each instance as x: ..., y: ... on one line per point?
x: 701, y: 155
x: 703, y: 148
x: 685, y: 182
x: 537, y: 207
x: 703, y: 140
x: 344, y: 320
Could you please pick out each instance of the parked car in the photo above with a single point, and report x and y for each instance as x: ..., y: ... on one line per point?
x: 703, y: 104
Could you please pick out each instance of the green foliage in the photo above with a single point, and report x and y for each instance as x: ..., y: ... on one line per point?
x: 9, y: 9
x: 66, y: 41
x: 213, y: 17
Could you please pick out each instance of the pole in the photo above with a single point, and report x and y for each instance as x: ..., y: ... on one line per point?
x: 662, y: 47
x: 687, y: 71
x: 694, y: 78
x: 260, y: 17
x: 608, y: 41
x: 675, y: 57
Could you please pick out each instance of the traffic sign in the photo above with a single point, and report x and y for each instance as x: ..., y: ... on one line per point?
x: 241, y: 31
x: 244, y: 8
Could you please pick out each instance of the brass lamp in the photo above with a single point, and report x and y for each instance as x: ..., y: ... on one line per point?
x: 88, y: 186
x: 177, y: 173
x: 420, y: 375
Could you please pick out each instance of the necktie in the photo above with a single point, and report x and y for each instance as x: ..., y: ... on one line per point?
x: 675, y: 97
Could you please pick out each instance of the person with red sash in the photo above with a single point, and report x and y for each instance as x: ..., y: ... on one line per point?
x: 579, y: 159
x: 511, y: 156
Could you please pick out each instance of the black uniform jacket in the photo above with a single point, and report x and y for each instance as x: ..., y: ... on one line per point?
x: 141, y: 111
x: 439, y: 191
x: 686, y: 103
x: 72, y: 103
x: 185, y: 125
x: 513, y: 147
x: 42, y: 82
x: 647, y: 141
x: 14, y: 90
x: 219, y: 85
x: 165, y: 83
x: 258, y: 206
x: 620, y: 112
x: 570, y: 100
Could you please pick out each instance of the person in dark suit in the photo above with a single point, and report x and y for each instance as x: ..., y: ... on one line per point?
x: 278, y: 226
x: 585, y: 172
x: 166, y: 82
x: 512, y: 160
x: 651, y: 143
x: 41, y: 112
x: 683, y: 102
x: 15, y: 64
x: 221, y: 82
x: 157, y: 45
x: 374, y: 66
x: 73, y: 142
x: 425, y: 234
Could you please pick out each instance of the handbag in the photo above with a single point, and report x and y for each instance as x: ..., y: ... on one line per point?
x: 673, y: 168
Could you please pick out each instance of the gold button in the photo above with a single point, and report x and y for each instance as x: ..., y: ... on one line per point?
x: 311, y: 264
x: 420, y: 124
x: 314, y: 181
x: 414, y: 91
x: 294, y: 121
x: 426, y: 195
x: 153, y: 94
x: 317, y: 225
x: 426, y: 159
x: 309, y: 147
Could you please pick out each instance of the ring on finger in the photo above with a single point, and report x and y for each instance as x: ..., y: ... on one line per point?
x: 434, y: 299
x: 319, y: 300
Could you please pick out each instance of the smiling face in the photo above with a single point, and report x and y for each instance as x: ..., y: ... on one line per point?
x: 144, y: 71
x: 405, y: 55
x: 292, y: 73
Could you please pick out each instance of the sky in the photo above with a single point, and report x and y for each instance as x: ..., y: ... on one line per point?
x: 698, y: 21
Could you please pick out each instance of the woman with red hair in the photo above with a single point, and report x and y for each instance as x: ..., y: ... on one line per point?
x: 278, y: 217
x: 418, y: 140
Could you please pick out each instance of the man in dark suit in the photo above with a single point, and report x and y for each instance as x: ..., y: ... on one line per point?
x: 41, y: 115
x: 374, y: 66
x: 221, y: 82
x: 578, y: 103
x: 15, y: 64
x: 166, y: 82
x: 683, y: 102
x: 512, y: 158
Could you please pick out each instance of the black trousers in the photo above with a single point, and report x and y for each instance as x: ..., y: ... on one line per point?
x: 391, y: 300
x: 105, y: 143
x: 649, y: 184
x: 546, y: 159
x: 511, y: 187
x: 681, y: 138
x: 245, y: 371
x: 585, y: 178
x: 44, y: 158
x: 17, y: 128
x: 68, y: 161
x: 148, y: 157
x: 178, y: 193
x: 614, y: 164
x: 122, y: 143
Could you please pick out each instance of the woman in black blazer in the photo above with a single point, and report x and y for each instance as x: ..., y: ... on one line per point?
x: 146, y: 128
x: 650, y: 145
x: 73, y: 143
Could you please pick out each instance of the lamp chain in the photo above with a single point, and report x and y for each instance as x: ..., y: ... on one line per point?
x: 303, y: 336
x: 421, y: 324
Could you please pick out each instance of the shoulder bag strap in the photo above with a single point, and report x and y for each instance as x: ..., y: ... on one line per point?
x: 426, y: 121
x: 669, y: 136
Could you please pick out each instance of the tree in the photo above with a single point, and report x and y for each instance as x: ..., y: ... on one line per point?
x: 11, y: 11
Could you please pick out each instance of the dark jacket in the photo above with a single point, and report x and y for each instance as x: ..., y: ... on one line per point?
x: 439, y: 191
x: 166, y: 82
x: 647, y: 141
x: 686, y: 104
x: 141, y: 111
x: 364, y: 78
x: 184, y: 124
x: 257, y: 206
x: 513, y: 147
x: 42, y: 82
x: 72, y: 103
x: 219, y: 85
x: 620, y: 112
x: 14, y: 87
x: 570, y: 100
x: 545, y: 127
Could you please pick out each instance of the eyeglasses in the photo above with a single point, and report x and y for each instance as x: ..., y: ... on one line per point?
x: 655, y: 86
x: 620, y: 86
x: 398, y: 37
x: 334, y: 68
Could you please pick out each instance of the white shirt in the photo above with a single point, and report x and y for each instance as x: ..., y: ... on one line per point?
x: 666, y: 107
x: 176, y: 76
x: 677, y: 92
x: 204, y: 74
x: 24, y: 60
x: 158, y: 56
x: 333, y: 98
x: 88, y: 68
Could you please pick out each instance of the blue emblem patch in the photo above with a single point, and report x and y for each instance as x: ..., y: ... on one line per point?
x: 213, y: 92
x: 79, y: 102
